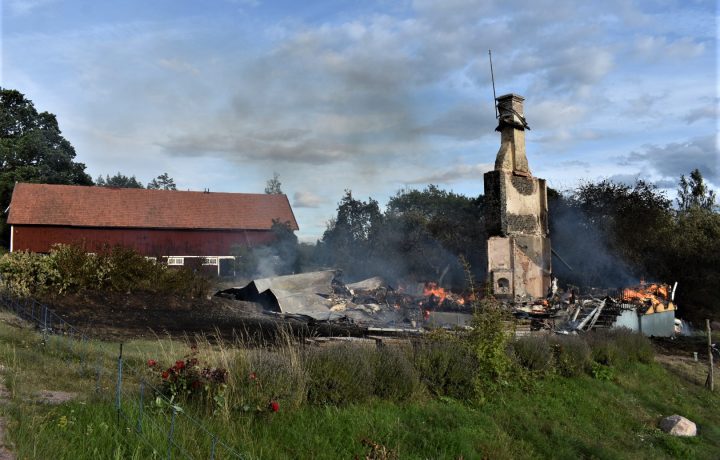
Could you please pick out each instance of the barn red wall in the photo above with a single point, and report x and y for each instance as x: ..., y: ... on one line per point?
x: 148, y: 242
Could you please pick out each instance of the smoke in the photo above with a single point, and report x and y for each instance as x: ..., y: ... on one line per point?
x: 586, y: 246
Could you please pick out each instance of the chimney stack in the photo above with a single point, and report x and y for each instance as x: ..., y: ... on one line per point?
x: 516, y: 213
x: 511, y: 123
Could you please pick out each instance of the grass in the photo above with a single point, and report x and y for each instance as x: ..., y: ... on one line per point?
x: 548, y: 417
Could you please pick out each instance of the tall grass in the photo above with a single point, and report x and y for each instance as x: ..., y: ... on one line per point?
x: 393, y: 397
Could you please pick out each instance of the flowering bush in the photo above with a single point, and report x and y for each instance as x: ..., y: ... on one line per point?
x: 188, y: 379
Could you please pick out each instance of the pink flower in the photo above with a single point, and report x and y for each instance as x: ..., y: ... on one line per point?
x: 165, y: 375
x: 179, y: 364
x: 253, y: 376
x: 274, y: 406
x: 151, y: 362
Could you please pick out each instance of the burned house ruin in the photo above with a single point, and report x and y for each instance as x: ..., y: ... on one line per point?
x: 516, y: 213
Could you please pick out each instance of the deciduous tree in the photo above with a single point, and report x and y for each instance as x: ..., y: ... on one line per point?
x: 32, y: 149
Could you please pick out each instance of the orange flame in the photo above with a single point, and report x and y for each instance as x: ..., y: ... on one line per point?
x: 652, y: 293
x: 432, y: 289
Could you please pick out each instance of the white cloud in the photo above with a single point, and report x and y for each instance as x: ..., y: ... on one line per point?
x: 673, y: 159
x: 454, y: 174
x: 24, y: 7
x: 307, y: 199
x: 660, y: 47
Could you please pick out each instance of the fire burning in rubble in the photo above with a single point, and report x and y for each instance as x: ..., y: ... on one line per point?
x: 656, y: 296
x: 432, y: 289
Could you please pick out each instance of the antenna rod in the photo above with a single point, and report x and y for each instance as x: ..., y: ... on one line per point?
x: 492, y: 75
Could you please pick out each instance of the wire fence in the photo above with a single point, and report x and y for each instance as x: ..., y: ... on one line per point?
x: 135, y: 400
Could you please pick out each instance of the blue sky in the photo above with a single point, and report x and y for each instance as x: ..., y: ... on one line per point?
x: 371, y: 96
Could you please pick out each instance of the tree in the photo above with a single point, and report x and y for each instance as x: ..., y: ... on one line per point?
x: 32, y: 149
x: 694, y: 193
x: 350, y: 238
x: 623, y: 228
x: 272, y: 186
x: 118, y: 180
x: 433, y: 227
x: 162, y: 182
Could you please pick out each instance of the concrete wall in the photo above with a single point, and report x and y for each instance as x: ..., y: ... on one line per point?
x: 656, y: 324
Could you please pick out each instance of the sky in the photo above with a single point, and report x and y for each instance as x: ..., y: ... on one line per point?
x: 371, y: 96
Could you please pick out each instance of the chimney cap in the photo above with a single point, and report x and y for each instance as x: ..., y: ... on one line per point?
x: 510, y: 96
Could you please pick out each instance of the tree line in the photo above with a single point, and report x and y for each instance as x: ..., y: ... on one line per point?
x: 610, y: 234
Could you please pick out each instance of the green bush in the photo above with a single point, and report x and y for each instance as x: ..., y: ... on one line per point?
x: 340, y: 374
x: 69, y: 269
x: 447, y: 366
x: 261, y: 376
x: 619, y: 347
x: 572, y: 355
x: 633, y: 345
x: 25, y: 273
x: 489, y: 341
x: 534, y: 353
x: 396, y: 378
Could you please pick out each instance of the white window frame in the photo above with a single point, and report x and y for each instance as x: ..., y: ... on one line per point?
x: 175, y: 261
x: 210, y: 261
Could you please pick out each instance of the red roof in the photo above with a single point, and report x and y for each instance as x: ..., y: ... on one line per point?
x: 82, y: 206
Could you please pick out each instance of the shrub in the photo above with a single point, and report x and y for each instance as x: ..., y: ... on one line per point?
x: 262, y: 376
x: 634, y: 346
x: 572, y: 355
x: 25, y: 273
x: 604, y: 350
x: 188, y: 380
x: 534, y: 353
x: 447, y: 366
x: 489, y: 339
x: 68, y: 268
x: 340, y: 374
x: 395, y: 377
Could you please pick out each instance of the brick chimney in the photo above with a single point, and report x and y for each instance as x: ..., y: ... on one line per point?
x: 511, y: 123
x: 516, y: 214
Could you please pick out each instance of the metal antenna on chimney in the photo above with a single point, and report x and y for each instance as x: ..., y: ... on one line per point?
x: 492, y: 76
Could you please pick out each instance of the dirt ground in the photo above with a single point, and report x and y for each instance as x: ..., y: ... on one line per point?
x: 118, y: 316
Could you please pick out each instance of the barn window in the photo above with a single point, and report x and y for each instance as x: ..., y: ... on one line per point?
x: 151, y: 259
x: 176, y: 261
x: 210, y: 261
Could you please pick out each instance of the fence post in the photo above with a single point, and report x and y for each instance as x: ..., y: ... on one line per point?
x: 142, y: 393
x: 45, y: 328
x: 83, y: 352
x: 97, y: 379
x: 212, y: 447
x: 170, y: 434
x: 118, y: 390
x: 710, y: 383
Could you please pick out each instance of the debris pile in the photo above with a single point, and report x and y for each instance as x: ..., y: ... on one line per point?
x: 377, y: 306
x: 373, y: 303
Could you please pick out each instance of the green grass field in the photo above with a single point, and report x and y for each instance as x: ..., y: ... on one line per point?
x: 545, y: 417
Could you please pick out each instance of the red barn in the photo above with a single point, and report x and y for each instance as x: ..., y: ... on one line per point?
x: 157, y: 223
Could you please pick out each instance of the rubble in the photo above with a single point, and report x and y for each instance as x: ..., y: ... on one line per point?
x: 376, y: 306
x: 373, y: 303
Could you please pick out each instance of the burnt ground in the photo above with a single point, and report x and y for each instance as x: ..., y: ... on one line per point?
x: 121, y: 316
